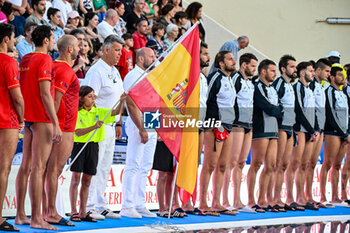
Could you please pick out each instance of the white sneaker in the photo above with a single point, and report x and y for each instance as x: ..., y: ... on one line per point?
x: 96, y: 215
x: 146, y: 213
x: 110, y: 214
x: 130, y: 213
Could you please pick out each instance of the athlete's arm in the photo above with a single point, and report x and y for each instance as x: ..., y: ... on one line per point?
x: 58, y: 98
x: 18, y: 103
x: 46, y: 98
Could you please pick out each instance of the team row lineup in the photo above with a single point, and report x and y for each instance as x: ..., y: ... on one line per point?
x: 283, y: 125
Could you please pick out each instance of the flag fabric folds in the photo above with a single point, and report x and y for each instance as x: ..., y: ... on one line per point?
x: 173, y: 89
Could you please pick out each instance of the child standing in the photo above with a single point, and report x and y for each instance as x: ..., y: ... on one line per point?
x: 125, y: 63
x: 89, y: 119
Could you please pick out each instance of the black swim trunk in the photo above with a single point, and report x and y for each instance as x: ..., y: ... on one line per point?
x: 87, y: 160
x: 163, y: 159
x: 28, y: 124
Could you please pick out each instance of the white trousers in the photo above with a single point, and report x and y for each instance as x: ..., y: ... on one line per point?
x: 139, y: 161
x: 97, y: 199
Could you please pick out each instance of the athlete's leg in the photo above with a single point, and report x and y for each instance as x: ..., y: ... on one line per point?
x: 345, y: 175
x: 335, y: 172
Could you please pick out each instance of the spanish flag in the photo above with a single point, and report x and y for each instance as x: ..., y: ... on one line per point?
x: 173, y: 89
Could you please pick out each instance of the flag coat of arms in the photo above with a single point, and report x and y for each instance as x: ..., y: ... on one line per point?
x: 173, y: 87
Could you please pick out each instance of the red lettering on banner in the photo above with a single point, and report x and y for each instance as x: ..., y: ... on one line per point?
x: 118, y: 198
x: 121, y: 176
x: 150, y: 178
x: 151, y: 197
x: 9, y: 202
x: 111, y: 178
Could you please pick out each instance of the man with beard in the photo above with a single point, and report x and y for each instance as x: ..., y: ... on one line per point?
x: 322, y: 71
x: 66, y: 105
x: 283, y: 86
x: 241, y: 130
x: 204, y: 62
x: 265, y: 133
x: 218, y: 141
x: 307, y: 134
x: 140, y: 148
x: 11, y: 108
x: 336, y: 134
x: 41, y: 125
x: 39, y: 7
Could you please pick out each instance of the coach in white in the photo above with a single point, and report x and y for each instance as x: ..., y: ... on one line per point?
x: 140, y: 148
x: 105, y: 79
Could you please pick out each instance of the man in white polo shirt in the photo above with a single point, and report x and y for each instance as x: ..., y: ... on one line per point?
x: 105, y: 79
x: 106, y: 27
x: 140, y: 148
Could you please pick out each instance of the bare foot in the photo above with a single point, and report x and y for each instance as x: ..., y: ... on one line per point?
x: 23, y: 220
x: 238, y: 205
x: 42, y: 225
x: 336, y: 200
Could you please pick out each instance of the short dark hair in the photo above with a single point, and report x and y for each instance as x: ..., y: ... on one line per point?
x: 246, y: 58
x: 51, y: 12
x: 156, y: 27
x: 335, y: 69
x: 29, y: 26
x: 127, y: 36
x: 203, y: 45
x: 180, y: 15
x: 302, y: 66
x: 84, y: 91
x: 141, y: 19
x: 6, y: 30
x: 264, y: 65
x: 193, y: 9
x: 7, y: 8
x: 322, y: 63
x: 167, y: 8
x: 284, y: 61
x: 76, y: 31
x: 35, y: 3
x: 313, y: 63
x: 88, y: 16
x: 40, y: 33
x: 220, y: 57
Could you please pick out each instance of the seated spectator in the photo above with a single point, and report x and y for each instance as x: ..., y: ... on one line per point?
x: 101, y: 8
x: 73, y: 22
x: 83, y: 61
x: 178, y: 5
x: 139, y: 36
x: 194, y: 12
x: 168, y: 13
x: 90, y: 26
x: 171, y: 35
x: 97, y: 53
x: 133, y: 17
x: 54, y: 16
x: 19, y: 6
x: 39, y: 7
x: 15, y: 20
x: 79, y: 34
x: 65, y: 8
x: 106, y: 27
x: 3, y: 18
x: 158, y: 7
x: 181, y: 22
x: 158, y: 31
x: 85, y: 6
x: 120, y: 26
x: 148, y: 10
x: 26, y: 45
x: 125, y: 63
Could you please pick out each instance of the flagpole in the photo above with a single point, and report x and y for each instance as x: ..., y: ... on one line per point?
x: 163, y: 55
x: 173, y: 190
x: 81, y: 150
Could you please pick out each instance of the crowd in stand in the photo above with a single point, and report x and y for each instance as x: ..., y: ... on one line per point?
x: 65, y: 64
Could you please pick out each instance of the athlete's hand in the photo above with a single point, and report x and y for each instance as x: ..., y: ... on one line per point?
x: 118, y: 132
x: 57, y: 134
x: 21, y: 126
x: 144, y: 136
x: 98, y: 124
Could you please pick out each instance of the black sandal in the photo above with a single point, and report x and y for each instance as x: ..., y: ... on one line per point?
x: 5, y: 226
x: 75, y: 217
x: 88, y: 218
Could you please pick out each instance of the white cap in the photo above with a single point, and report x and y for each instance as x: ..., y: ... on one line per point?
x: 333, y: 54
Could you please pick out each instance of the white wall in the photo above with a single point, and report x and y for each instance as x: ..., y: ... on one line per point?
x: 277, y: 27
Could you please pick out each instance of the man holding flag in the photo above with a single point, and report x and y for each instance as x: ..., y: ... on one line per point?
x: 140, y: 148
